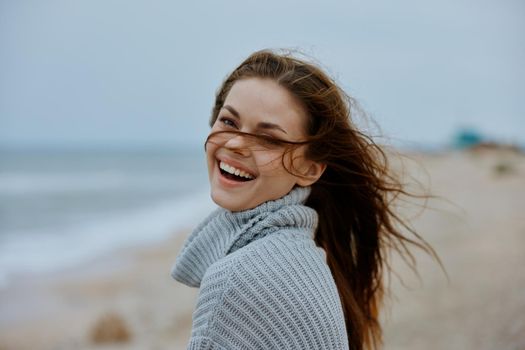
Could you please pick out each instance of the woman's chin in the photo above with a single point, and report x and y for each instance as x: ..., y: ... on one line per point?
x: 228, y: 201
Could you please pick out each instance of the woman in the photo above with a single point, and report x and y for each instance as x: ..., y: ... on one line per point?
x: 293, y: 258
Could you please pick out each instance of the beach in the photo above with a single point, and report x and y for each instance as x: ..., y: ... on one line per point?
x: 126, y: 298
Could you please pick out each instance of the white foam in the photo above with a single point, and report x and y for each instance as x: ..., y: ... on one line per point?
x: 48, y: 251
x: 38, y: 183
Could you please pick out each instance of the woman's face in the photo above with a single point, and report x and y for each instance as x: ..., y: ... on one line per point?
x: 258, y: 106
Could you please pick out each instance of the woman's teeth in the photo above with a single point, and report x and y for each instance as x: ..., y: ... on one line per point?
x: 234, y: 171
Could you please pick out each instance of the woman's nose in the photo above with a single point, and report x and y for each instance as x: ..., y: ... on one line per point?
x: 238, y: 143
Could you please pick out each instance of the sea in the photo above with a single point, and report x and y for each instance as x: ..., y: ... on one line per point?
x: 59, y: 208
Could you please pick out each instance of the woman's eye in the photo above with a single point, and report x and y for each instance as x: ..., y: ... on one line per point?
x: 227, y: 121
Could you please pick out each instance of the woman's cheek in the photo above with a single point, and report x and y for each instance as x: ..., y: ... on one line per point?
x: 271, y: 162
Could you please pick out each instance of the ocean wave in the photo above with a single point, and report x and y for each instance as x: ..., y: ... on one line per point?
x: 13, y: 183
x: 41, y: 251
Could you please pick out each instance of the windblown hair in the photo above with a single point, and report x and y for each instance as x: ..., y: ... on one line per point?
x: 354, y: 197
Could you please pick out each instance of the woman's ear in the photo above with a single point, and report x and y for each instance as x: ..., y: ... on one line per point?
x: 312, y: 173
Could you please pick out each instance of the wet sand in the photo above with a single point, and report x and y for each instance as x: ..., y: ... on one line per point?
x: 477, y: 227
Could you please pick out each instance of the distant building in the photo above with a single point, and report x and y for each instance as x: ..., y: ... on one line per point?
x: 467, y: 138
x: 473, y: 141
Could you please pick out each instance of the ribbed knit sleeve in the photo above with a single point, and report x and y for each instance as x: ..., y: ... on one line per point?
x: 276, y: 293
x: 201, y: 249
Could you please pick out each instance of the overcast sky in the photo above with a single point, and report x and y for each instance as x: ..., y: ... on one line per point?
x: 144, y: 73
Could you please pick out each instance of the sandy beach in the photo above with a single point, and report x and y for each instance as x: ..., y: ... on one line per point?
x: 127, y: 299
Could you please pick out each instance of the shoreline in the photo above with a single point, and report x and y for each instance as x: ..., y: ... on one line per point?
x: 30, y: 253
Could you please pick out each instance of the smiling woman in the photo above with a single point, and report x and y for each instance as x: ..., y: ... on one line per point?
x: 257, y: 105
x: 293, y: 258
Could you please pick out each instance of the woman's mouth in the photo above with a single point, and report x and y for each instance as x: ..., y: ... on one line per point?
x: 234, y: 174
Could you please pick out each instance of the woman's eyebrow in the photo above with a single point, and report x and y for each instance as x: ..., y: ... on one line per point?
x: 261, y: 125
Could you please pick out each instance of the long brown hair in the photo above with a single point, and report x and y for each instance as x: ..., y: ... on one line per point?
x: 355, y: 195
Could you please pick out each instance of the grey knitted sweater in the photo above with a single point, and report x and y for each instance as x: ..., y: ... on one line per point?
x: 264, y: 284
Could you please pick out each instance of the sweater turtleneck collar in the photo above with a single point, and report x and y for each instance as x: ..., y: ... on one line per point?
x: 224, y: 231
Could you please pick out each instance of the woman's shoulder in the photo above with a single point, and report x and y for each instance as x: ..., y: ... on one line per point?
x: 285, y: 246
x: 284, y: 261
